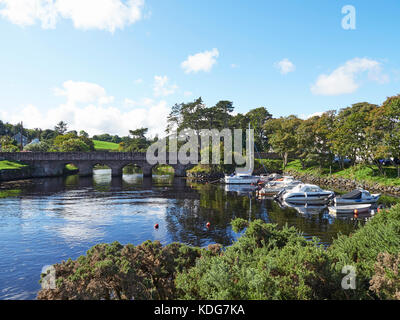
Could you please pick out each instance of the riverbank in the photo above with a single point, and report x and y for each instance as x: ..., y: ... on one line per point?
x: 347, y: 179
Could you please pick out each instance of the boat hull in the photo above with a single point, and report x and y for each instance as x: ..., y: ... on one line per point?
x: 340, y: 201
x: 349, y: 209
x: 307, y: 198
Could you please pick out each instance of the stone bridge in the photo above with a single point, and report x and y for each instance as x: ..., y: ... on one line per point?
x: 45, y: 164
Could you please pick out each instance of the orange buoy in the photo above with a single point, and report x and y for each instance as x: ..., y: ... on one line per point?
x: 156, y: 226
x: 208, y: 225
x: 355, y: 213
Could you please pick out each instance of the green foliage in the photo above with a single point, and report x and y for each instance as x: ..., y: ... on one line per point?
x: 239, y: 224
x: 114, y: 271
x: 268, y: 164
x: 61, y: 127
x: 386, y: 280
x: 70, y: 142
x: 265, y: 263
x: 138, y: 142
x: 38, y: 147
x: 7, y: 144
x: 361, y: 249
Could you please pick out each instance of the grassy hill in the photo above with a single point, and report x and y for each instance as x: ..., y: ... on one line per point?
x: 105, y: 146
x: 9, y: 165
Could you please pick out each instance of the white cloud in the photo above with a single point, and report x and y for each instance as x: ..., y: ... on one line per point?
x: 84, y: 92
x: 162, y: 88
x: 285, y: 66
x: 139, y: 81
x: 187, y: 93
x: 85, y: 14
x: 305, y: 117
x: 85, y: 111
x: 202, y: 61
x: 343, y: 80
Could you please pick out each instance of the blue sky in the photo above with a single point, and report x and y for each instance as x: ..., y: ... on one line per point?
x: 114, y: 65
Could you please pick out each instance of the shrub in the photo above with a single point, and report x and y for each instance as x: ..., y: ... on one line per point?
x: 265, y: 263
x: 386, y: 280
x: 361, y: 249
x: 114, y: 271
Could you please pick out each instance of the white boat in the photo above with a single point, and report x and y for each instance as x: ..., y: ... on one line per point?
x: 274, y: 187
x: 241, y: 178
x: 307, y: 193
x: 359, y: 196
x: 350, y: 209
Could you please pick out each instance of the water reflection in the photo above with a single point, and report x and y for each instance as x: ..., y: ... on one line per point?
x: 53, y: 219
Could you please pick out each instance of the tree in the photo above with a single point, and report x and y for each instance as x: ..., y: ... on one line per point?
x: 282, y: 135
x: 70, y: 142
x: 61, y: 127
x: 349, y: 134
x: 391, y: 115
x: 38, y: 147
x: 257, y: 118
x: 8, y: 144
x: 138, y: 142
x: 83, y: 133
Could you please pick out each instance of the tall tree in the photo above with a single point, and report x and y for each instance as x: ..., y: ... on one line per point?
x: 282, y: 135
x: 61, y: 127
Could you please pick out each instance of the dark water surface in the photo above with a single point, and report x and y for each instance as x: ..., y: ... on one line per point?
x: 45, y: 221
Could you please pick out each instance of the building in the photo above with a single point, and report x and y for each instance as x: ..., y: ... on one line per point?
x: 21, y: 138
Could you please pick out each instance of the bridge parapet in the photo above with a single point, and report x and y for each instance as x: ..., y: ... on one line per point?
x: 73, y: 156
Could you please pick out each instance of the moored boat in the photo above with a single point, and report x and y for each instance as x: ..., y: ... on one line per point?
x: 359, y: 196
x: 307, y: 193
x: 241, y: 178
x: 350, y: 209
x: 274, y: 187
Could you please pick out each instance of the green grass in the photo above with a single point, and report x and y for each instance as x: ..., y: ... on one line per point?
x: 268, y: 164
x: 105, y: 146
x: 11, y: 165
x: 360, y: 173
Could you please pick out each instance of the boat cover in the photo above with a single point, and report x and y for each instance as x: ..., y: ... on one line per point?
x: 355, y: 194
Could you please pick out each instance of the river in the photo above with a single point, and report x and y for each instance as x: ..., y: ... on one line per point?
x: 45, y: 221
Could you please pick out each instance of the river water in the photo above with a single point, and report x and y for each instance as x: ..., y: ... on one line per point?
x: 45, y: 221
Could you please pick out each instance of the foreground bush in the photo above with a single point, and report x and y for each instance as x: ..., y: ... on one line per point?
x: 361, y: 250
x: 115, y: 271
x: 265, y: 263
x: 386, y: 280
